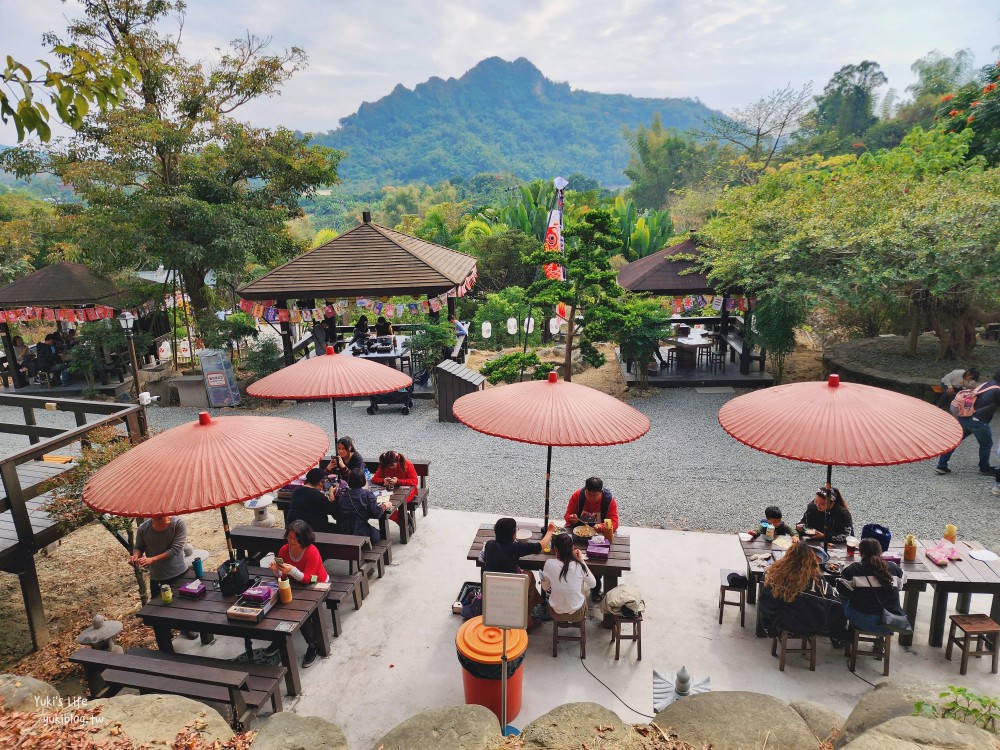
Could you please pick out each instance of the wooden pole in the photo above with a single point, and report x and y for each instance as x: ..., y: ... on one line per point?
x: 27, y: 576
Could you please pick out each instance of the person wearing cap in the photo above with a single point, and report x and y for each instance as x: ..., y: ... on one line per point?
x: 955, y: 381
x: 827, y: 502
x: 311, y: 504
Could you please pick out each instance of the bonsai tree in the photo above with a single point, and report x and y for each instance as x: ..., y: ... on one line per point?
x: 433, y: 344
x: 636, y: 324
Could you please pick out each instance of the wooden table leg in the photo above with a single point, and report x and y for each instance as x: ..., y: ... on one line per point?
x: 910, y: 599
x: 322, y: 626
x: 163, y: 641
x: 752, y: 588
x: 939, y: 614
x: 293, y: 684
x: 383, y: 525
x: 404, y: 524
x: 207, y: 638
x: 964, y: 603
x: 610, y: 581
x: 758, y: 627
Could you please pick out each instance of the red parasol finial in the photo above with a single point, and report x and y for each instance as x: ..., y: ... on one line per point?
x: 204, y: 418
x: 833, y: 381
x: 553, y: 377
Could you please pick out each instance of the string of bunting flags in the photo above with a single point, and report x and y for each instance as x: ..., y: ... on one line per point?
x: 63, y: 315
x: 701, y: 301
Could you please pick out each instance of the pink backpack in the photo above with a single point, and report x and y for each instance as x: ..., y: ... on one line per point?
x: 964, y: 403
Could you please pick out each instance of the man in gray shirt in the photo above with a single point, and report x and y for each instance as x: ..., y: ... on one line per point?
x: 159, y: 546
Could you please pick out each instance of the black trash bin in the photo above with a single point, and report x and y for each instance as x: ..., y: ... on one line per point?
x: 454, y: 381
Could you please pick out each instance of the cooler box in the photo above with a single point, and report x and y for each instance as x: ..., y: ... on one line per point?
x: 479, y: 651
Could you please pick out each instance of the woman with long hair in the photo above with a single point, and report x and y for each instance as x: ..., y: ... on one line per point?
x: 345, y: 459
x: 871, y: 585
x: 565, y: 578
x: 360, y: 332
x: 796, y: 599
x: 357, y: 505
x: 393, y: 469
x: 827, y: 502
x: 301, y: 561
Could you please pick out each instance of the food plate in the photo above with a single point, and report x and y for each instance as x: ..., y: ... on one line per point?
x: 809, y: 531
x: 584, y: 532
x: 834, y: 567
x: 523, y: 535
x: 745, y: 537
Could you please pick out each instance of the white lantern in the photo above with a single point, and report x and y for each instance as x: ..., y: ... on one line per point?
x: 164, y: 350
x: 554, y: 325
x: 487, y: 329
x: 184, y: 348
x: 512, y: 326
x: 529, y: 325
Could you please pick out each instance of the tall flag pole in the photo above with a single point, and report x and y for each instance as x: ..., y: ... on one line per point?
x: 554, y: 241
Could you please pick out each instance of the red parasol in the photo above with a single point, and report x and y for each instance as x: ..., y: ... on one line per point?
x: 206, y: 464
x: 840, y: 424
x: 332, y: 377
x: 551, y: 412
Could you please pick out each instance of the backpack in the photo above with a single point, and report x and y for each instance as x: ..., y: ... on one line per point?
x: 877, y: 532
x: 964, y: 403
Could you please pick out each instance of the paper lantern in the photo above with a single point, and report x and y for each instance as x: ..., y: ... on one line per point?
x: 554, y: 325
x: 512, y: 326
x: 487, y: 329
x: 529, y: 325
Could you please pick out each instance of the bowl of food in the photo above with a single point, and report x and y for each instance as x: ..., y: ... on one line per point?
x: 809, y: 531
x: 523, y: 535
x: 584, y: 532
x: 834, y: 567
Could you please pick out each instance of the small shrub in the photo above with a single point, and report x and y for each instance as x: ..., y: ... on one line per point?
x: 507, y: 368
x: 963, y: 705
x: 264, y: 357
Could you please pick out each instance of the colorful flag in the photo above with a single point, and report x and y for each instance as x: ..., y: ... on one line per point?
x: 717, y: 303
x: 554, y: 244
x: 389, y: 311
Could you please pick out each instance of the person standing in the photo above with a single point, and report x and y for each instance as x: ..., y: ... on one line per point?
x: 311, y: 504
x: 159, y: 546
x: 955, y: 381
x: 978, y: 425
x: 319, y: 332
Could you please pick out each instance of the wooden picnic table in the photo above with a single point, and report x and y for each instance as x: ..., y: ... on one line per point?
x: 283, y: 500
x: 619, y: 559
x: 964, y: 577
x: 687, y: 349
x: 207, y: 615
x: 392, y: 357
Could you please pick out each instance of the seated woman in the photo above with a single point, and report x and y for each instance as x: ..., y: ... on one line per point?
x: 564, y: 578
x: 871, y: 585
x: 841, y: 523
x: 383, y: 327
x: 24, y: 357
x: 393, y: 469
x: 301, y: 561
x: 360, y: 333
x: 503, y: 554
x: 346, y: 458
x: 357, y: 506
x: 796, y: 599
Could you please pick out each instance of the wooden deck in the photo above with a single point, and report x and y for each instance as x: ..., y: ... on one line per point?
x: 700, y: 377
x: 46, y: 530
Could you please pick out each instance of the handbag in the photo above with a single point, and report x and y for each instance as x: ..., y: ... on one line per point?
x: 895, y: 622
x: 234, y: 577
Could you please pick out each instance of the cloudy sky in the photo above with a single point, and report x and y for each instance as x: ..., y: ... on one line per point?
x: 724, y: 52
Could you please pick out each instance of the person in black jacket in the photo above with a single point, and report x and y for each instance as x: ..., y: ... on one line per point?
x: 827, y: 502
x: 50, y: 359
x: 796, y: 599
x: 311, y: 504
x: 871, y: 585
x: 978, y: 425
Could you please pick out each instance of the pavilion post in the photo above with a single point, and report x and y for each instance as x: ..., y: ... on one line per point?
x: 286, y: 335
x: 829, y: 502
x: 13, y: 365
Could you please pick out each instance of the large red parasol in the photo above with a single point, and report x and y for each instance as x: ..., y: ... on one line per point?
x: 840, y: 424
x: 330, y: 377
x: 206, y: 464
x: 551, y: 412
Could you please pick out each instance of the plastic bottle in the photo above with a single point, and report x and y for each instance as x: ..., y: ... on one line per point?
x: 166, y: 593
x: 910, y: 548
x: 609, y: 530
x: 284, y: 591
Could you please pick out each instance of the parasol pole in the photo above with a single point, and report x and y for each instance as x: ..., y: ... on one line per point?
x: 548, y: 473
x: 229, y: 539
x: 333, y: 403
x: 829, y: 502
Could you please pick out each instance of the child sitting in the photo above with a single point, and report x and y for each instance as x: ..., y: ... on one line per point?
x: 772, y: 517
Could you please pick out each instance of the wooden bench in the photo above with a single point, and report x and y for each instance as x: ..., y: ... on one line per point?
x: 737, y: 346
x: 254, y: 542
x: 108, y: 672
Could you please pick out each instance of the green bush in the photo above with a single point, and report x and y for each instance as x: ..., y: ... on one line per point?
x: 264, y: 357
x: 965, y: 706
x: 507, y: 368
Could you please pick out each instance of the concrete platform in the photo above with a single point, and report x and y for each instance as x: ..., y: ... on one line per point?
x: 396, y: 656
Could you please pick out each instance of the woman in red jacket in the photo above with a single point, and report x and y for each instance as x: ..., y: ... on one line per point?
x: 301, y: 560
x: 393, y: 469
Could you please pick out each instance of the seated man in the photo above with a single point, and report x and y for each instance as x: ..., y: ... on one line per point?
x: 50, y: 360
x: 592, y: 504
x: 311, y: 504
x: 501, y: 555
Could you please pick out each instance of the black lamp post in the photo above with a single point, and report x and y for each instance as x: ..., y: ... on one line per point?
x: 127, y: 321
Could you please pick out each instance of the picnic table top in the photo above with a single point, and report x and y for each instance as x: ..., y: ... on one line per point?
x: 922, y: 570
x: 619, y: 559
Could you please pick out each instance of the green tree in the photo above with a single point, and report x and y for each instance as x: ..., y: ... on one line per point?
x: 499, y: 261
x: 168, y: 176
x: 658, y: 163
x: 847, y: 104
x: 590, y: 279
x: 641, y: 234
x: 87, y: 78
x: 774, y: 322
x: 636, y: 323
x: 976, y: 107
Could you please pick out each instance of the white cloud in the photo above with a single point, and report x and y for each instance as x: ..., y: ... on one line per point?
x: 725, y: 52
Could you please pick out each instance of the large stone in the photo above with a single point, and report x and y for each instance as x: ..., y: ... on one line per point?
x: 449, y: 728
x: 576, y: 725
x: 27, y: 694
x: 148, y: 719
x: 822, y: 721
x: 288, y: 731
x: 736, y: 720
x: 890, y: 698
x: 920, y: 733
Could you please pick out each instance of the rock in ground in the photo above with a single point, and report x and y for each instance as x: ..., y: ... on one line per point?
x: 821, y: 720
x: 449, y: 728
x: 736, y: 720
x: 148, y: 719
x: 27, y: 694
x: 920, y: 733
x: 576, y: 725
x: 890, y: 698
x: 288, y: 731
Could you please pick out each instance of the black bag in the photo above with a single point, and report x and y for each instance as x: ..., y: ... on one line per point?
x: 899, y: 623
x: 234, y: 578
x: 879, y: 533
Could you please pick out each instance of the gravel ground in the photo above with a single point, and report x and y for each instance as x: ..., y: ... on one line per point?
x: 685, y: 473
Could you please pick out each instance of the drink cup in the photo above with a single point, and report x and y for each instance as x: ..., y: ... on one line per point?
x: 852, y: 544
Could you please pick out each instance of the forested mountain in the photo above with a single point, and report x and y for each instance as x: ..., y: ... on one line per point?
x: 499, y: 117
